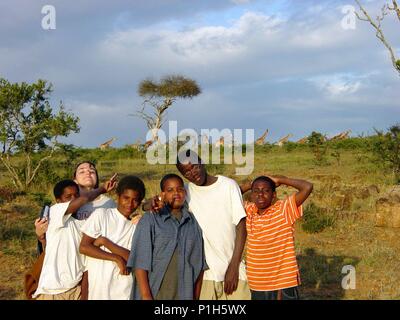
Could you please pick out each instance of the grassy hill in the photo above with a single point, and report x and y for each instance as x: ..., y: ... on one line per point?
x: 342, y: 209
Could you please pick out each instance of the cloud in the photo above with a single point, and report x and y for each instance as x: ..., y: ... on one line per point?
x: 337, y: 84
x: 280, y: 64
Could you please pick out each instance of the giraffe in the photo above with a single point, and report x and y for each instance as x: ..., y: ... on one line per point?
x: 302, y: 140
x: 341, y: 136
x: 285, y: 139
x: 260, y: 141
x: 107, y: 144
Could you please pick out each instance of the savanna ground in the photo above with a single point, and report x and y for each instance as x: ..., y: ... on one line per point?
x: 345, y: 190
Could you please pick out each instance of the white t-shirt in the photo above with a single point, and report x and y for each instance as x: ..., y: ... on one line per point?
x: 218, y: 208
x: 105, y: 282
x: 86, y: 210
x: 63, y: 264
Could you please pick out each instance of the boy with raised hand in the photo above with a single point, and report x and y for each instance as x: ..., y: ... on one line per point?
x: 272, y: 270
x: 167, y: 253
x: 107, y: 238
x: 63, y: 266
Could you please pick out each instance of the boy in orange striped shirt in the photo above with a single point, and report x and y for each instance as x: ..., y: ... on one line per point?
x: 272, y: 269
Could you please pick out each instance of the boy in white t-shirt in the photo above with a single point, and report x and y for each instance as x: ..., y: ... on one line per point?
x: 107, y: 240
x: 63, y: 265
x: 217, y: 204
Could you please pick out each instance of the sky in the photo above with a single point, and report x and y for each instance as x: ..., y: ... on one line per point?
x: 286, y: 66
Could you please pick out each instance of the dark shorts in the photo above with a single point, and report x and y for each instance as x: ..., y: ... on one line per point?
x: 286, y: 294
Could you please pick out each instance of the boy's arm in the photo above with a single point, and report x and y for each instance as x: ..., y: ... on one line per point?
x: 91, y: 195
x: 305, y: 188
x: 197, y: 286
x: 143, y: 282
x: 232, y: 273
x: 113, y: 247
x: 88, y: 248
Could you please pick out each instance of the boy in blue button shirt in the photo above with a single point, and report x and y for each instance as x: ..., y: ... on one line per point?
x: 167, y: 254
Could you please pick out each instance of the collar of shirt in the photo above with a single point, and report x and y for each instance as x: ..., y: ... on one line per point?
x: 165, y: 213
x: 254, y: 211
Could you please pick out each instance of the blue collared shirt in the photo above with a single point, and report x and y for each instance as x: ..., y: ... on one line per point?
x: 156, y: 237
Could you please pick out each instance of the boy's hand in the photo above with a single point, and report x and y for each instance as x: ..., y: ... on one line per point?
x: 100, y: 241
x: 277, y: 179
x: 231, y: 278
x: 121, y: 265
x: 157, y: 203
x: 111, y: 184
x: 41, y: 226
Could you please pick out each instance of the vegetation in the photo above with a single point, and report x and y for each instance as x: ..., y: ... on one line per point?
x: 29, y: 129
x: 161, y: 95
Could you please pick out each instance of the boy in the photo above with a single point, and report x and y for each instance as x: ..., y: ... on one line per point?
x: 107, y: 238
x: 63, y: 265
x: 217, y: 204
x: 167, y: 249
x: 272, y: 269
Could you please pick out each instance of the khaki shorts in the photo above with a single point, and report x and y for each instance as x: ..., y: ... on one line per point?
x: 72, y: 294
x: 213, y: 290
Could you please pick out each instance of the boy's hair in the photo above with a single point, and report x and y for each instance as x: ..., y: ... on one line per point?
x: 167, y: 177
x: 265, y: 179
x: 60, y: 186
x: 131, y: 183
x: 189, y: 156
x: 95, y: 169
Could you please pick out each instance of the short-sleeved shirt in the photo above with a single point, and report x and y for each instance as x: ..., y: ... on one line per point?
x: 63, y: 264
x: 271, y: 258
x: 105, y: 280
x: 87, y: 209
x: 155, y: 240
x: 218, y: 208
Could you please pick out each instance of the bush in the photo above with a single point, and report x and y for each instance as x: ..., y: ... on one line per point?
x: 315, y: 219
x: 318, y: 146
x: 386, y: 148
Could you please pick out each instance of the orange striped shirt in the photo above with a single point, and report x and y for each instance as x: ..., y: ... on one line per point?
x: 271, y: 258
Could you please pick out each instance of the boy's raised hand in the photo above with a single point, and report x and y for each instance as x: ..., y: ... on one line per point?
x: 157, y: 203
x: 111, y: 184
x: 277, y: 179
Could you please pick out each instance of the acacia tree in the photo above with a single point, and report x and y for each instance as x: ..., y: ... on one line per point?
x: 29, y: 130
x: 377, y: 25
x: 161, y: 95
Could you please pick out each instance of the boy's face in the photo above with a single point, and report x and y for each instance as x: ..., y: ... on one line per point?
x: 69, y: 193
x: 86, y: 175
x: 195, y: 173
x: 174, y: 193
x: 128, y: 201
x: 262, y: 194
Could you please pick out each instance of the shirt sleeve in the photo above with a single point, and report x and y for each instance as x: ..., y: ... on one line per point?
x: 141, y: 256
x: 57, y: 216
x: 238, y: 212
x: 93, y: 225
x: 291, y: 211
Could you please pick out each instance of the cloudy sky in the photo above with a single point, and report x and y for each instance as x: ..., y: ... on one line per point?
x: 288, y: 66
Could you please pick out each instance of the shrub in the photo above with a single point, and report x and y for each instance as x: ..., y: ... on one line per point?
x: 315, y: 219
x: 386, y: 148
x: 319, y: 148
